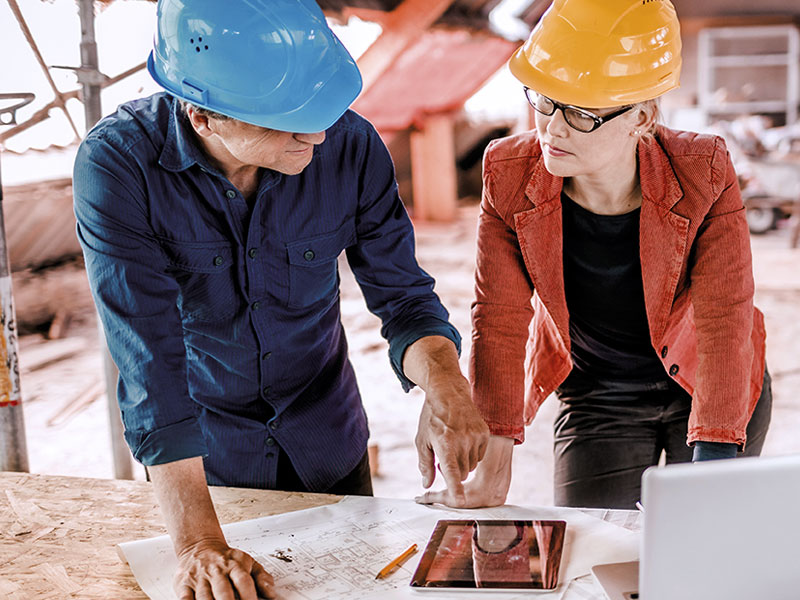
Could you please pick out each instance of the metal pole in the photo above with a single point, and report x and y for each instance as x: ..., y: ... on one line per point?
x: 88, y: 74
x: 13, y: 449
x: 91, y: 79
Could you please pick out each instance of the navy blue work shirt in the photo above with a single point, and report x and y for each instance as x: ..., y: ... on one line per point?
x: 224, y: 318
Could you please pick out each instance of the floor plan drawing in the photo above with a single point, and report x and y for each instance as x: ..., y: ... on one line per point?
x: 334, y: 552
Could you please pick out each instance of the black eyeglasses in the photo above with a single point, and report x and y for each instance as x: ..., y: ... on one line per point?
x: 578, y: 118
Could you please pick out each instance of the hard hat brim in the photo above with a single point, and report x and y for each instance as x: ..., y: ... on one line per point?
x: 320, y: 112
x: 567, y: 93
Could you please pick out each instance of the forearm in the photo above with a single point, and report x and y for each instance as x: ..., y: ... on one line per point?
x: 432, y: 360
x: 182, y: 493
x: 450, y: 427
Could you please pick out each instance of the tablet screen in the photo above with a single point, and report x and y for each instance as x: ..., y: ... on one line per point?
x: 492, y: 554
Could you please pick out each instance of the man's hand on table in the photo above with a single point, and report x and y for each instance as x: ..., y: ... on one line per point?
x: 210, y: 569
x: 450, y: 427
x: 489, y: 486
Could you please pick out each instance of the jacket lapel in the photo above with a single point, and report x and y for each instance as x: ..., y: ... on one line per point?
x: 662, y: 234
x: 540, y: 239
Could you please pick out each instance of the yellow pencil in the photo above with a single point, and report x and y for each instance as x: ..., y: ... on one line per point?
x: 397, y: 562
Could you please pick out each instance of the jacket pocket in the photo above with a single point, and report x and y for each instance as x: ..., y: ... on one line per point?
x: 313, y: 270
x: 205, y: 273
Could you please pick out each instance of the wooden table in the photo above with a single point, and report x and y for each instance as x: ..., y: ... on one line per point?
x: 58, y: 535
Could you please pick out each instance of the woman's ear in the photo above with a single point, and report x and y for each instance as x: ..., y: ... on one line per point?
x: 646, y: 114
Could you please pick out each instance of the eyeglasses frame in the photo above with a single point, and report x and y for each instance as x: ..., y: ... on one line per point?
x: 598, y: 120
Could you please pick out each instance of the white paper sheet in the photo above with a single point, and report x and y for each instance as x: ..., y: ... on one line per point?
x: 333, y: 552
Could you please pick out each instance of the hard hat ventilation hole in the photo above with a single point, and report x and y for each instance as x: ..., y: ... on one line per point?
x: 649, y: 1
x: 199, y: 43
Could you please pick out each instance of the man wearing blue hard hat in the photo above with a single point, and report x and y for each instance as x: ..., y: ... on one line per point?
x: 211, y: 217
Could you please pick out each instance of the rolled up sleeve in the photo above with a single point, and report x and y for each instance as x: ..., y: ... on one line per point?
x: 722, y: 296
x: 137, y: 303
x: 501, y: 315
x: 395, y: 287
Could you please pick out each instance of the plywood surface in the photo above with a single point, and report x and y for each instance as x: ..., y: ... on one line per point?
x: 58, y: 535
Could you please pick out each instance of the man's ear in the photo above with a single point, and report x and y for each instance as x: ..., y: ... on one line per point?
x: 202, y: 125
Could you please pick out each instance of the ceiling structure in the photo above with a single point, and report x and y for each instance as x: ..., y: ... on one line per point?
x: 446, y: 66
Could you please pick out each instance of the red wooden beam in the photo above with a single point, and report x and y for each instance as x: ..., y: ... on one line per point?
x: 401, y: 28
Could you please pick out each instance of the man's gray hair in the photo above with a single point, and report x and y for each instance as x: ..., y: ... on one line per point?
x: 186, y: 105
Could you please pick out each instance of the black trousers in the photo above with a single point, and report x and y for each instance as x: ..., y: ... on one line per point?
x: 608, y: 433
x: 356, y: 483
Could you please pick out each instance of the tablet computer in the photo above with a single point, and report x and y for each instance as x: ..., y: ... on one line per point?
x: 498, y: 555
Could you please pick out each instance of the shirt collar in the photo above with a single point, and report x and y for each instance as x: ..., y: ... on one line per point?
x: 180, y: 148
x: 656, y: 174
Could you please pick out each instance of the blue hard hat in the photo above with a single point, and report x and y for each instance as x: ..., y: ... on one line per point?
x: 272, y: 63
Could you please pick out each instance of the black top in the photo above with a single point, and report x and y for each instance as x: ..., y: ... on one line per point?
x: 605, y: 296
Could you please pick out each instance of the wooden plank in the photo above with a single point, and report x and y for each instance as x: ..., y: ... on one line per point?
x: 365, y: 14
x: 45, y: 69
x: 34, y: 357
x: 44, y: 112
x: 401, y: 28
x: 58, y: 535
x: 433, y: 170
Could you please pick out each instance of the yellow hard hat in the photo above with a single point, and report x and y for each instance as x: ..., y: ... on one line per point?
x: 602, y: 53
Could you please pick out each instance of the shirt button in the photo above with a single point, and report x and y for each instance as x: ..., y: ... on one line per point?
x: 270, y: 441
x: 273, y: 425
x: 218, y: 260
x: 253, y: 253
x: 256, y: 305
x: 673, y: 370
x: 230, y: 194
x: 266, y: 390
x: 266, y: 355
x: 308, y: 255
x: 664, y: 351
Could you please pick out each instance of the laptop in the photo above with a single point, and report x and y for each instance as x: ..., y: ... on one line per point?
x: 727, y: 530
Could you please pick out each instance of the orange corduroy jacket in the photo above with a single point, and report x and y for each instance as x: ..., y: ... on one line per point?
x: 696, y: 269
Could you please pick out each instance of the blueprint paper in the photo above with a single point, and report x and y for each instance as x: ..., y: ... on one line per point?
x: 333, y: 552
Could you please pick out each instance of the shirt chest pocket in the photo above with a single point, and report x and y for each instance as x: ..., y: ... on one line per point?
x: 206, y: 275
x: 313, y: 270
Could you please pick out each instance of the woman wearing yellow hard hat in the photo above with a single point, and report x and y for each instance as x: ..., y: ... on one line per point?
x: 613, y: 268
